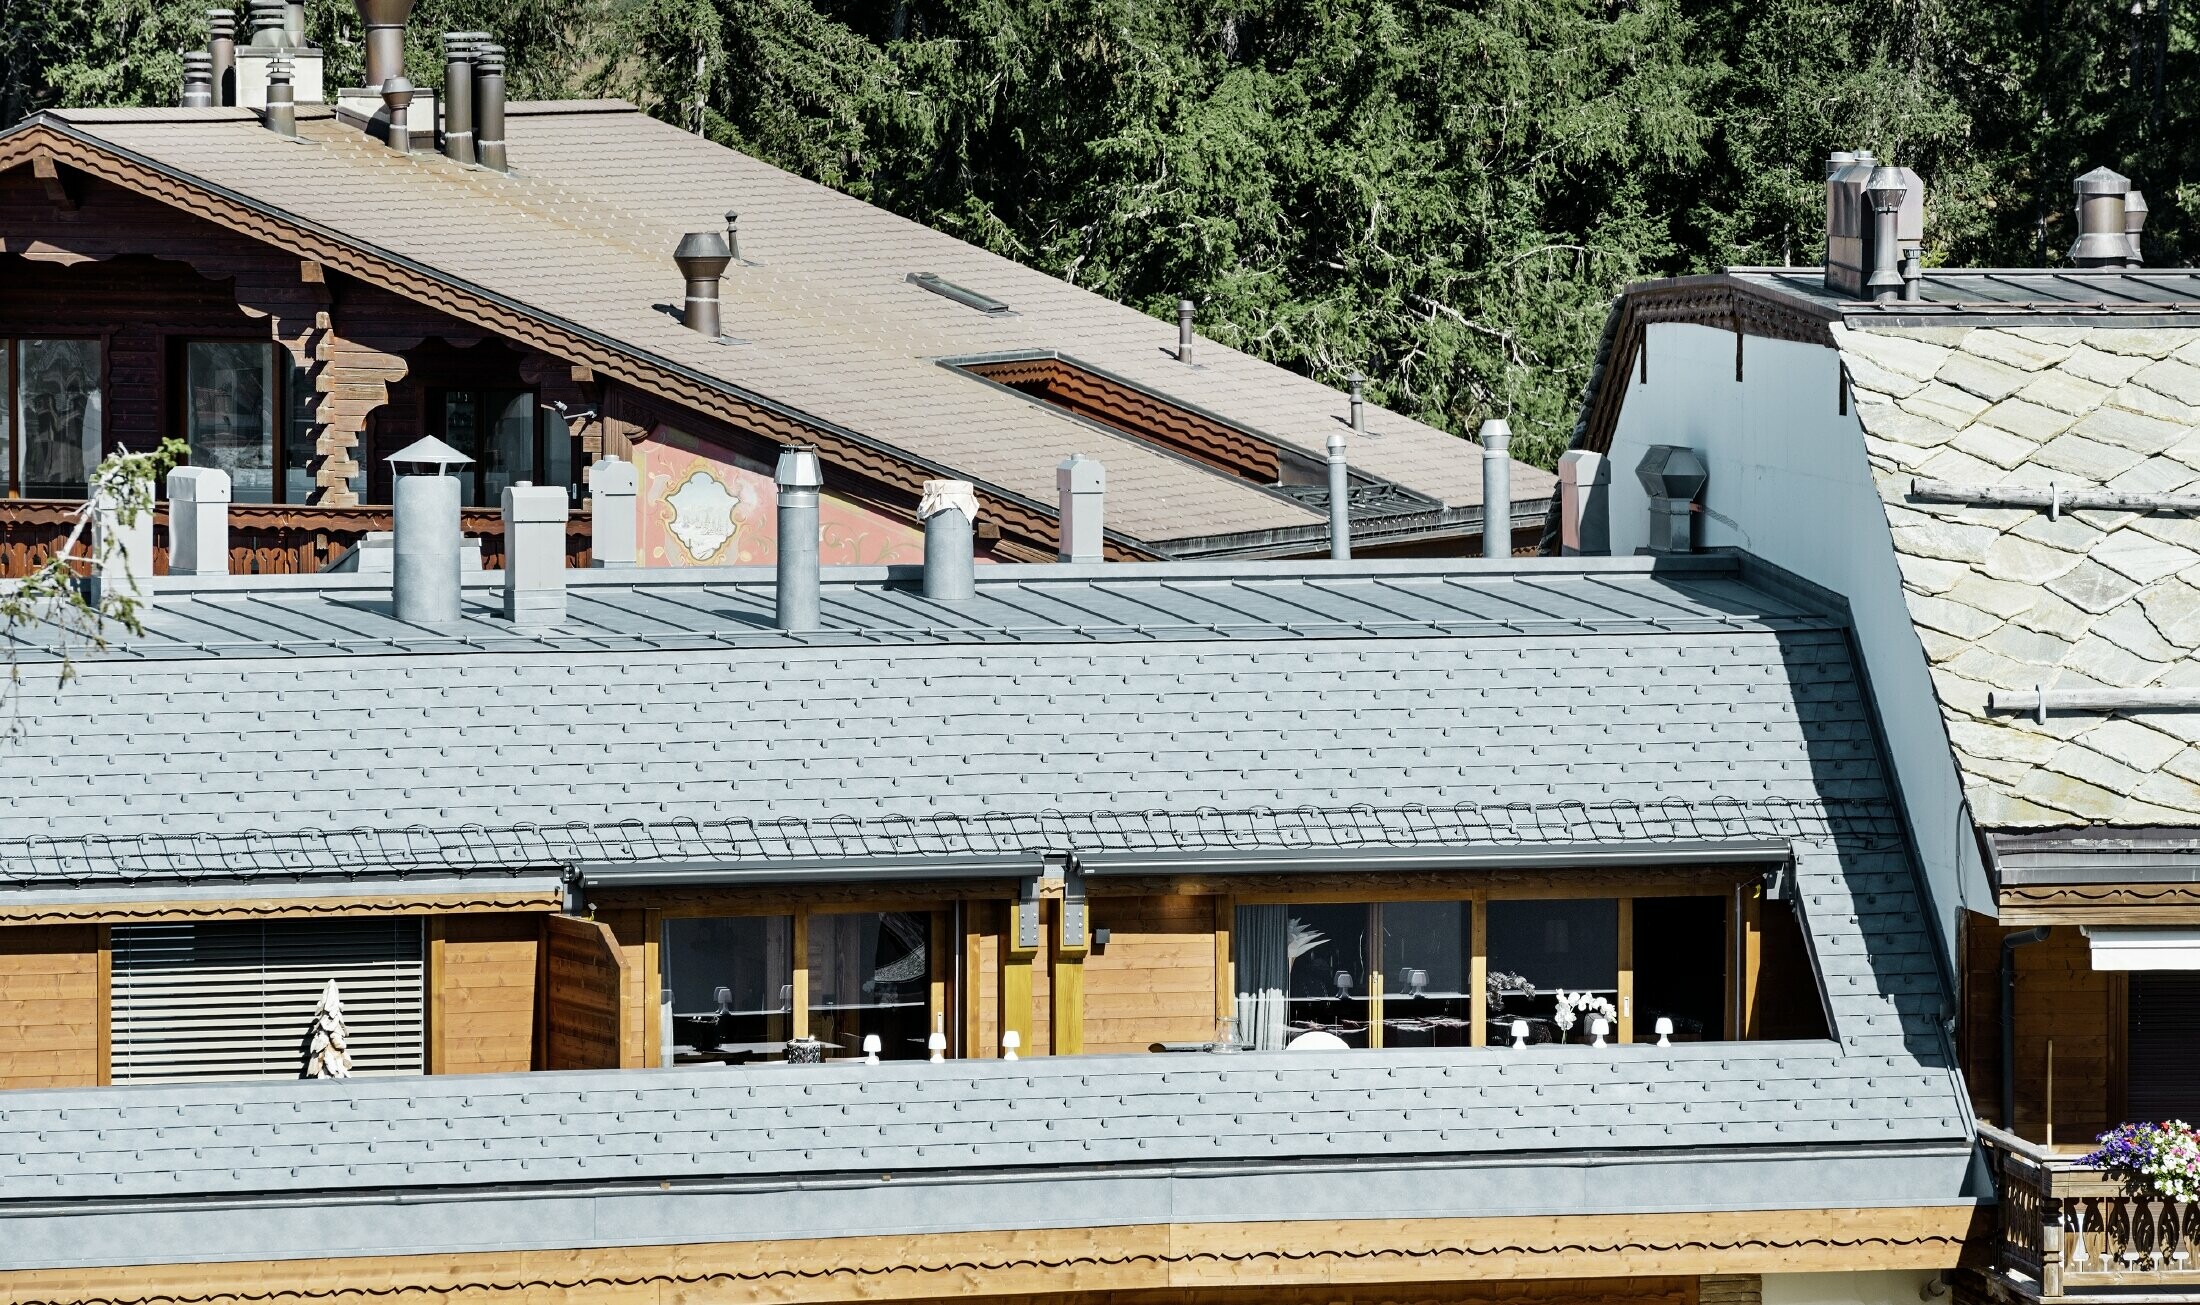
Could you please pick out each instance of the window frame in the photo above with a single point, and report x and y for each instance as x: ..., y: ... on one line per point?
x: 437, y: 423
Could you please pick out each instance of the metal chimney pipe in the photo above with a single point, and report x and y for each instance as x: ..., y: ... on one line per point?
x: 221, y: 43
x: 198, y: 80
x: 2102, y: 241
x: 733, y: 235
x: 1497, y: 494
x: 268, y: 21
x: 198, y: 521
x: 281, y: 114
x: 949, y: 511
x: 1359, y: 402
x: 2135, y: 222
x: 798, y: 478
x: 425, y: 550
x: 458, y: 97
x: 1340, y: 499
x: 702, y: 257
x: 294, y: 23
x: 1913, y: 275
x: 489, y: 106
x: 1885, y: 190
x: 385, y: 24
x: 613, y: 484
x: 1185, y: 310
x: 534, y: 554
x: 1080, y: 486
x: 397, y: 96
x: 1673, y: 477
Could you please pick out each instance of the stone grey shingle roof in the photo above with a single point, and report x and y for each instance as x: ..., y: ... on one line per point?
x: 2009, y: 599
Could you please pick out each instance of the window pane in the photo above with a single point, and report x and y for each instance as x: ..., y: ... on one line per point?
x: 871, y: 972
x: 557, y: 454
x: 730, y: 985
x: 508, y: 454
x: 229, y: 415
x: 1426, y: 1000
x: 1326, y: 950
x: 298, y: 435
x: 1537, y: 948
x: 1680, y: 967
x: 57, y: 415
x: 462, y: 429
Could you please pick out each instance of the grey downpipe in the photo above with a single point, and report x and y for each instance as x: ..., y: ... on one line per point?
x: 2009, y: 947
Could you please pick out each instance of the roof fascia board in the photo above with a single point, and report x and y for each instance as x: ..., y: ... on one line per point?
x: 638, y: 362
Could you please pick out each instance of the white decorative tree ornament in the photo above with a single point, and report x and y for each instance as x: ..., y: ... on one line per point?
x: 328, y: 1052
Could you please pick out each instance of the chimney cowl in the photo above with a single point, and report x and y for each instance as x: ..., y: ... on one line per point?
x: 281, y: 112
x: 427, y: 544
x: 385, y: 24
x: 702, y: 257
x: 268, y: 21
x: 949, y: 510
x: 2102, y: 240
x: 1673, y: 476
x: 198, y: 80
x: 1886, y: 189
x: 397, y: 98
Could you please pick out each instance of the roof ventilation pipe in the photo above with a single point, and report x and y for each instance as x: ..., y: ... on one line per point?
x: 2102, y: 240
x: 613, y: 542
x: 489, y: 104
x: 425, y: 549
x: 397, y: 97
x: 799, y: 480
x: 534, y: 554
x: 458, y: 97
x: 385, y: 24
x: 1886, y: 190
x: 1497, y: 495
x: 1584, y: 512
x: 1080, y: 486
x: 733, y: 235
x: 703, y: 257
x: 281, y: 114
x: 1359, y: 401
x: 124, y: 548
x: 1185, y: 311
x: 198, y: 521
x: 1673, y: 477
x: 2135, y: 223
x: 198, y: 80
x: 950, y: 515
x: 294, y: 22
x: 1340, y: 499
x: 221, y: 45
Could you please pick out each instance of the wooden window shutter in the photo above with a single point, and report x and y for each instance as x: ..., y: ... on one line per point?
x: 235, y: 1000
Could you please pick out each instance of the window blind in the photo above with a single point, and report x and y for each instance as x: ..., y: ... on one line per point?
x: 2163, y: 1062
x: 235, y: 1000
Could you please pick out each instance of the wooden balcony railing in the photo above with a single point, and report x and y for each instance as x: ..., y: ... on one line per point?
x: 264, y: 539
x: 2068, y: 1228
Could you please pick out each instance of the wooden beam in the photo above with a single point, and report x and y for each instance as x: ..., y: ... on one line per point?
x: 1225, y: 961
x: 1478, y: 972
x: 436, y: 1022
x: 103, y: 1016
x: 1752, y: 958
x: 63, y: 187
x: 1016, y: 985
x: 653, y: 984
x: 935, y: 958
x: 1066, y: 985
x: 312, y: 272
x: 1626, y: 1031
x: 280, y: 908
x: 974, y: 1043
x: 800, y: 980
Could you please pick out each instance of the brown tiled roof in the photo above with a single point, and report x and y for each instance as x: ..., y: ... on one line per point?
x: 829, y: 327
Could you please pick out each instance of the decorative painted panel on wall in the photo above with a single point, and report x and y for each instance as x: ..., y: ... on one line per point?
x: 704, y: 506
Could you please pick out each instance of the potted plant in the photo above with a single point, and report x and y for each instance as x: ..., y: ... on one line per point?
x: 2151, y: 1160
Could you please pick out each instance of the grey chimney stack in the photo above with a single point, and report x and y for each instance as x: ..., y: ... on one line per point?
x: 458, y: 97
x: 1080, y: 486
x: 1340, y: 499
x: 2102, y: 240
x: 949, y: 511
x: 2135, y: 223
x: 1497, y: 493
x: 534, y: 554
x: 281, y: 114
x: 1673, y: 477
x: 1584, y: 512
x: 489, y: 105
x: 198, y: 521
x: 1185, y: 310
x: 797, y: 597
x: 198, y: 80
x: 221, y: 45
x: 397, y: 97
x: 703, y: 258
x: 385, y: 24
x: 612, y: 539
x: 1886, y: 190
x: 424, y: 585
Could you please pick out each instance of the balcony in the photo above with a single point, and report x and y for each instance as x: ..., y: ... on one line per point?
x: 2069, y: 1230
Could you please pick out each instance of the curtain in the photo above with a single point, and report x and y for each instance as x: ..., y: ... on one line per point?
x: 1263, y: 975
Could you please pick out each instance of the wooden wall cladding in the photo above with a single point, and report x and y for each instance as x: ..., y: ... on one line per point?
x: 485, y: 1000
x: 2070, y: 1028
x: 583, y: 982
x: 1155, y: 980
x: 50, y: 1008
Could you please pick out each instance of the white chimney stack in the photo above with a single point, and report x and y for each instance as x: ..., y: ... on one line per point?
x: 198, y: 521
x: 534, y: 554
x: 612, y: 486
x: 427, y: 543
x: 126, y: 550
x: 949, y: 511
x: 1081, y: 483
x: 1584, y: 516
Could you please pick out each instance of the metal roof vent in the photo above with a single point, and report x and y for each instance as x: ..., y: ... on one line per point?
x: 1852, y: 226
x: 221, y: 43
x: 1340, y: 499
x: 424, y: 584
x: 2102, y: 240
x: 458, y: 96
x: 1497, y: 494
x: 797, y: 600
x: 281, y: 113
x: 2135, y: 222
x: 385, y: 24
x: 1673, y: 477
x: 198, y: 80
x: 703, y: 257
x: 1186, y: 310
x: 489, y: 104
x: 1886, y: 189
x: 949, y: 511
x: 947, y: 289
x: 397, y: 97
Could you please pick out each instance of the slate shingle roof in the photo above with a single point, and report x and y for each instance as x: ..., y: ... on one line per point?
x: 583, y: 231
x: 2008, y: 599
